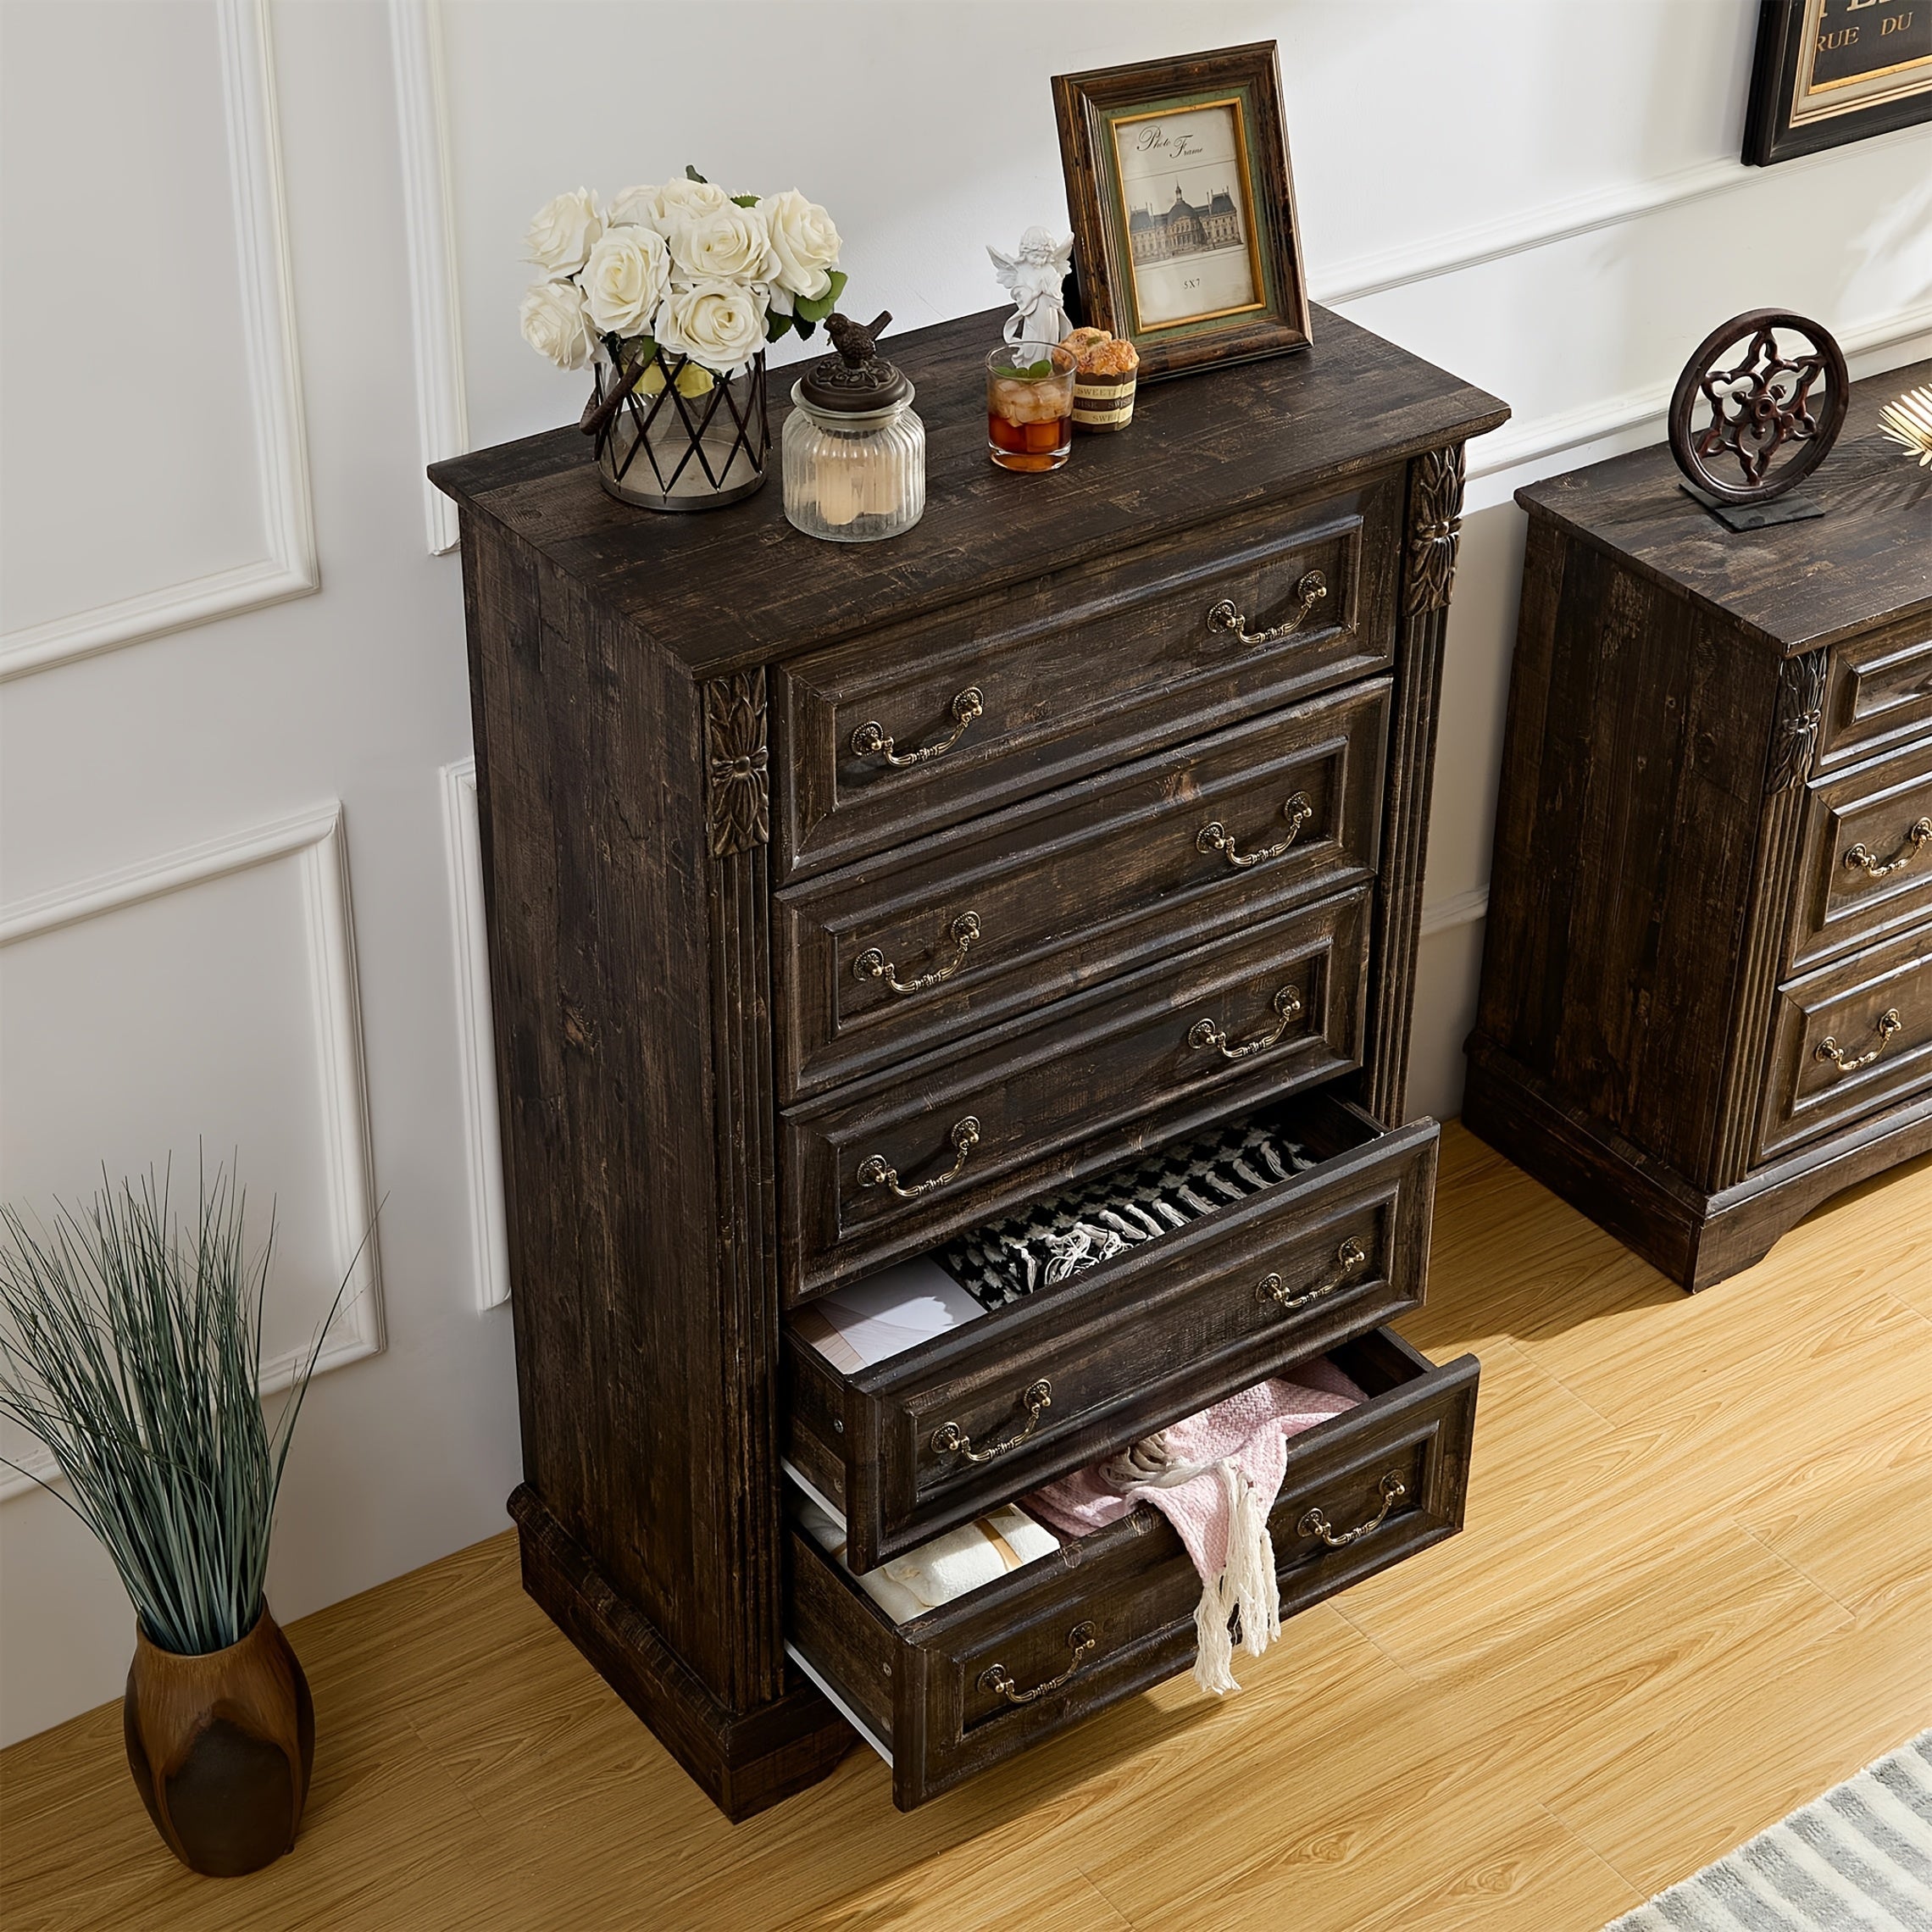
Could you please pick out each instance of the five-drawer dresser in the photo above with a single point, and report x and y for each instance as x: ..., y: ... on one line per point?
x: 841, y: 898
x: 1706, y: 999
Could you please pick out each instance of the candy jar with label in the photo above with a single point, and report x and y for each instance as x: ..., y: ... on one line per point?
x: 853, y: 449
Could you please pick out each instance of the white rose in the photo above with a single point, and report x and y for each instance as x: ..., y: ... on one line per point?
x: 729, y: 244
x: 625, y: 279
x: 719, y: 323
x: 560, y: 235
x: 554, y: 323
x: 633, y: 208
x: 668, y: 208
x: 804, y: 240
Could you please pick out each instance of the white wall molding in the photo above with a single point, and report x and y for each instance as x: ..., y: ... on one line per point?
x: 476, y: 1049
x: 275, y: 388
x: 1521, y: 450
x: 1451, y: 251
x: 315, y: 840
x: 415, y: 36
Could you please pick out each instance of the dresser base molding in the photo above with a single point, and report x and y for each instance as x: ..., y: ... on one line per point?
x: 1696, y: 1239
x: 747, y: 1762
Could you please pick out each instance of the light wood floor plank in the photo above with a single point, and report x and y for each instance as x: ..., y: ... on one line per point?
x: 1408, y: 1777
x: 1695, y: 1590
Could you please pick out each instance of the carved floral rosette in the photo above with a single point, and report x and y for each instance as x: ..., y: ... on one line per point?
x: 1801, y: 706
x: 739, y: 782
x: 1435, y: 528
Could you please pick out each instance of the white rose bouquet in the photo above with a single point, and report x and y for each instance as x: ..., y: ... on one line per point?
x: 686, y: 281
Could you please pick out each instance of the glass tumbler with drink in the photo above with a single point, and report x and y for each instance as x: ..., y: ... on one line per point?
x: 1030, y: 405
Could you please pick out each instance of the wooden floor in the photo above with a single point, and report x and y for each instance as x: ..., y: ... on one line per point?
x: 1696, y: 1589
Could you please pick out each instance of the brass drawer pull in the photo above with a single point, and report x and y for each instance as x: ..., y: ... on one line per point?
x: 872, y: 741
x: 876, y: 1171
x: 952, y: 1438
x: 1205, y: 1033
x: 1079, y: 1639
x: 1887, y: 1023
x: 1226, y: 615
x: 1314, y: 1523
x: 872, y: 964
x: 1863, y: 858
x: 1215, y: 836
x: 1350, y: 1259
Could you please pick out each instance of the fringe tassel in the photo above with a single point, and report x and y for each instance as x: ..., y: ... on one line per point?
x: 1248, y: 1584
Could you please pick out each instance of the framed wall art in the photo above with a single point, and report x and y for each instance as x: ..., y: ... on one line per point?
x: 1183, y: 207
x: 1830, y: 71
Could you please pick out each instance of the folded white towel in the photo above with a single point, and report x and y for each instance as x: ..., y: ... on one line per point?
x: 979, y: 1552
x: 947, y: 1567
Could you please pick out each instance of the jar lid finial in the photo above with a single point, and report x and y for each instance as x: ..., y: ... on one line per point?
x: 857, y: 380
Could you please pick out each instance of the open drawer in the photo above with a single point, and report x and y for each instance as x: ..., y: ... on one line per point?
x: 985, y: 1677
x: 1163, y: 1329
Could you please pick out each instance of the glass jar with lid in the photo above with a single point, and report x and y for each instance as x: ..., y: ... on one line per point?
x: 853, y: 450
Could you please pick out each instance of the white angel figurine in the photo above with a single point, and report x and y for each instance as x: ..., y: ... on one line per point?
x: 1034, y: 278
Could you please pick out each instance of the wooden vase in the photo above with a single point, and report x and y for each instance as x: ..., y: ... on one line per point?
x: 221, y: 1746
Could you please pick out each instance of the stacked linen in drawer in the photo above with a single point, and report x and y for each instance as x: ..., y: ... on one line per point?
x: 987, y: 1548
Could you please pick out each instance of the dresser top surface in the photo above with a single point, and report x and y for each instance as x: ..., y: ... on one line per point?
x: 739, y: 587
x: 1797, y: 585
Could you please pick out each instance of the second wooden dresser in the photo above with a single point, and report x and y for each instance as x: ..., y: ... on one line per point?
x: 1706, y: 1000
x: 841, y: 899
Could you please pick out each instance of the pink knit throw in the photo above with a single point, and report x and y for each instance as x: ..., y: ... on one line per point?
x: 1224, y: 1468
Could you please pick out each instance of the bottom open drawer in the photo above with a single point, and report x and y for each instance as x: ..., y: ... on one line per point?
x: 960, y: 1689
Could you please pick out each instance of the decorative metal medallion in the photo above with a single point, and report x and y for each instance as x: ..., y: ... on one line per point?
x: 1775, y: 408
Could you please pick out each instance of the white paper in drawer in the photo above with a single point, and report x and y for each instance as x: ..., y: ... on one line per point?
x: 885, y: 1315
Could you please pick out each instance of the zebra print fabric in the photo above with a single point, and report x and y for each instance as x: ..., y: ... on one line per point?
x: 1047, y: 1241
x: 1859, y: 1859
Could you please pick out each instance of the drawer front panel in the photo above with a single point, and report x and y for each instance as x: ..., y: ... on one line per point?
x: 1114, y: 1613
x: 949, y: 1141
x: 1029, y: 687
x: 1848, y: 1041
x: 1878, y: 689
x: 1865, y: 864
x: 900, y: 952
x: 1126, y: 1347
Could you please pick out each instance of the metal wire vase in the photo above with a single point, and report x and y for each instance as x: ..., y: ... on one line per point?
x: 671, y: 435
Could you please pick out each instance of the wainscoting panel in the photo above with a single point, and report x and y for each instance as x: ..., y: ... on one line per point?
x: 228, y: 975
x: 475, y: 1049
x: 415, y: 34
x: 155, y: 469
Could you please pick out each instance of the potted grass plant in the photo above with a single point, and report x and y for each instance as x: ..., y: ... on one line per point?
x: 132, y: 1349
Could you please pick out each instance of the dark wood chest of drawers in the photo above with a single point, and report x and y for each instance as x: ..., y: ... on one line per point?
x: 841, y: 898
x: 1706, y: 1000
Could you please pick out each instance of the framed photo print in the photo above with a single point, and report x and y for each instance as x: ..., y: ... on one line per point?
x: 1183, y: 208
x: 1830, y: 71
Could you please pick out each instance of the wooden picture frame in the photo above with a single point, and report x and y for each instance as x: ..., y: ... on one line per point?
x: 1831, y: 71
x: 1211, y: 273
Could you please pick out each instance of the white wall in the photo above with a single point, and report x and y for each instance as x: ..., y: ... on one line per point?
x: 1542, y: 197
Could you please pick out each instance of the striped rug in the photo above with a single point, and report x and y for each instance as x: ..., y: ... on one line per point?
x: 1859, y: 1859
